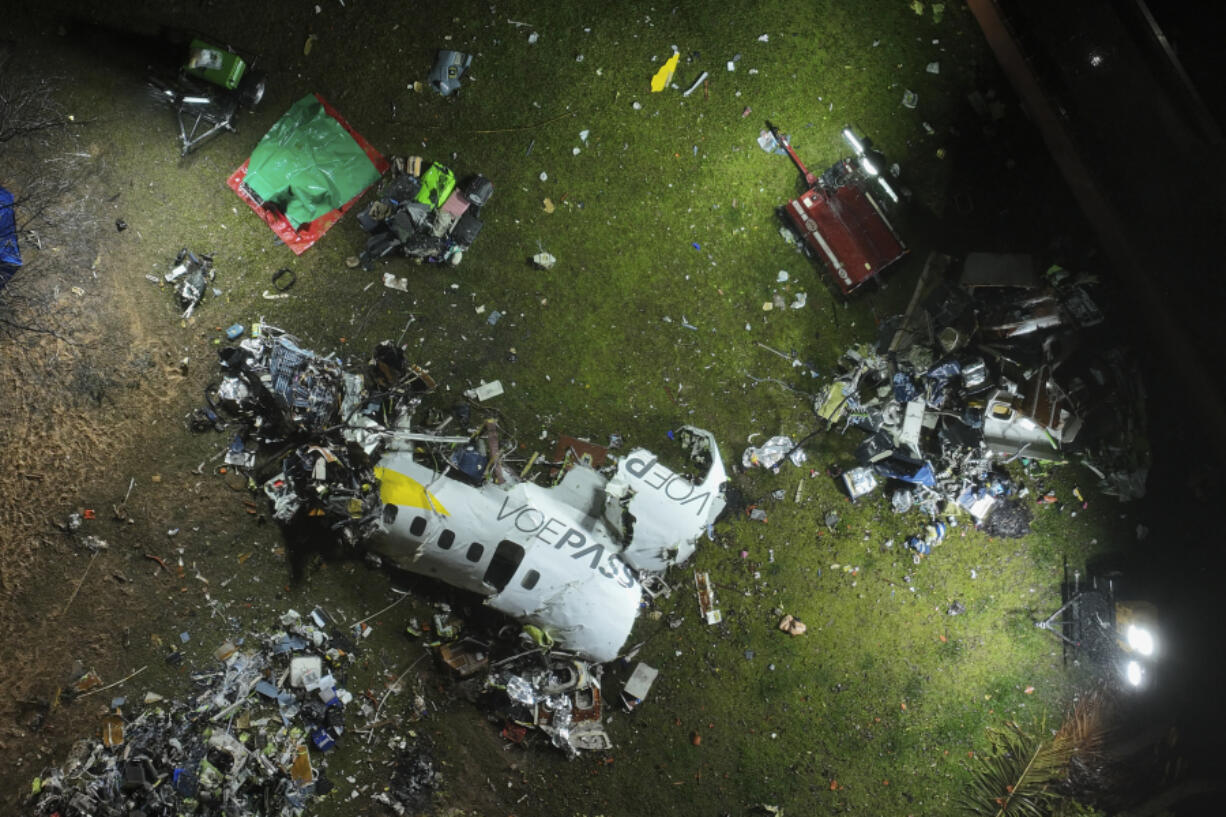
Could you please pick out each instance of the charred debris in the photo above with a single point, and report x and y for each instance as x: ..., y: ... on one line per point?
x: 995, y: 365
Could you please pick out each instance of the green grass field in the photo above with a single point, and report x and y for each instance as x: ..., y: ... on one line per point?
x: 666, y: 212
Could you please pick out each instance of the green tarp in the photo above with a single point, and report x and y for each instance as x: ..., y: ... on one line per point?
x: 308, y: 164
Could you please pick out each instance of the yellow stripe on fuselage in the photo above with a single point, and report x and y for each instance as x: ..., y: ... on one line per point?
x: 397, y: 489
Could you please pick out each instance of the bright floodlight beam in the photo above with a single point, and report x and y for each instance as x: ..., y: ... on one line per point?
x: 1140, y: 639
x: 1134, y: 673
x: 853, y: 141
x: 889, y: 191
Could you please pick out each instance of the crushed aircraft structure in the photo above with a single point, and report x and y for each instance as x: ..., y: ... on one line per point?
x: 554, y: 693
x: 563, y: 548
x: 250, y: 740
x: 995, y: 367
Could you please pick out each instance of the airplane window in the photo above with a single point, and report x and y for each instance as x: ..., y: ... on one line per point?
x: 418, y: 527
x: 474, y: 552
x: 389, y: 513
x: 507, y: 557
x: 530, y: 579
x: 446, y: 539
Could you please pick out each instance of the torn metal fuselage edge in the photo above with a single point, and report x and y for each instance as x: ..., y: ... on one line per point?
x: 564, y: 558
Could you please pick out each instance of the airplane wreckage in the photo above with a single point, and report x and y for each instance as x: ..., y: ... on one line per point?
x: 1002, y: 364
x: 568, y: 558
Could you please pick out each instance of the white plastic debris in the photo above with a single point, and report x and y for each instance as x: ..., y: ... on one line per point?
x: 765, y: 38
x: 696, y: 84
x: 933, y: 68
x: 485, y: 391
x: 910, y: 99
x: 583, y: 134
x: 544, y: 176
x: 304, y: 669
x: 533, y: 37
x: 392, y: 282
x: 782, y: 276
x: 638, y: 685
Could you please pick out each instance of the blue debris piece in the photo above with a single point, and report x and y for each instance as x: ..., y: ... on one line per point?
x: 288, y: 643
x: 924, y: 475
x: 322, y: 740
x: 10, y: 254
x: 940, y: 379
x: 184, y: 782
x: 904, y: 389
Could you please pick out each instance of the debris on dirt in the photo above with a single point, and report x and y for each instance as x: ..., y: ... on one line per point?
x: 242, y: 740
x: 485, y: 391
x: 664, y: 75
x: 555, y: 693
x: 974, y: 377
x: 415, y: 778
x: 425, y: 216
x: 706, y: 599
x: 770, y: 455
x: 792, y: 625
x: 193, y: 273
x: 696, y: 84
x: 350, y: 459
x: 449, y: 66
x: 638, y: 685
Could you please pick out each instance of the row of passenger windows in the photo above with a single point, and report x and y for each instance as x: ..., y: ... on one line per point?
x: 503, y: 564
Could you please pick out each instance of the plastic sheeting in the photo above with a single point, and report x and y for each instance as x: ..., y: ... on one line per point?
x: 308, y: 164
x: 10, y: 254
x: 300, y: 236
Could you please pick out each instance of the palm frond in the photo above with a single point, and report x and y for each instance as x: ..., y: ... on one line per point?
x: 1022, y: 773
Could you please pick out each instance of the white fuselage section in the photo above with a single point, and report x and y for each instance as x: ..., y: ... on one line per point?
x: 562, y: 558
